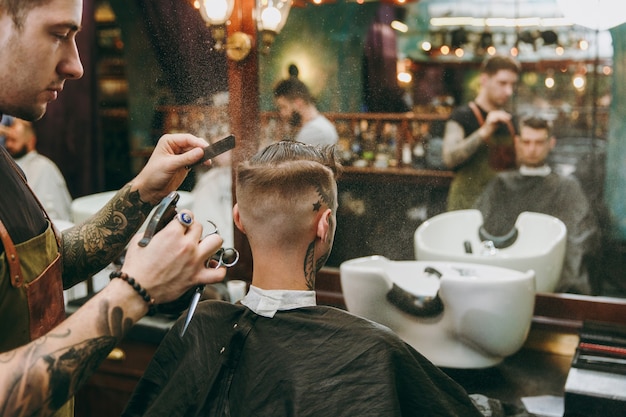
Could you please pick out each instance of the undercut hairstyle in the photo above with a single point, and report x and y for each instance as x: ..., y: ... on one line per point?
x: 292, y: 88
x: 282, y: 188
x: 537, y: 122
x: 493, y: 64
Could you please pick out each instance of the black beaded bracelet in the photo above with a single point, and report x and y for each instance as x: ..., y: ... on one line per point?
x: 138, y: 288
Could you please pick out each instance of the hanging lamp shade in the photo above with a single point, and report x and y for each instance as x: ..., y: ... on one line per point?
x: 216, y: 12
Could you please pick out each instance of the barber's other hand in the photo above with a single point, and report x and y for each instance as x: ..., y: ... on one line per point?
x: 167, y: 167
x: 174, y: 261
x: 493, y: 119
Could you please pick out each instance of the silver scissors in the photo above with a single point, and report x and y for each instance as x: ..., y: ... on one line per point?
x: 223, y: 257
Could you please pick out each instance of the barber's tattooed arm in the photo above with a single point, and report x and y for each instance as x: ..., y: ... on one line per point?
x: 89, y: 247
x: 40, y: 377
x: 456, y: 147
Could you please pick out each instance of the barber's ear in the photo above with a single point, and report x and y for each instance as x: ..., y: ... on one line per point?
x: 237, y: 218
x: 323, y: 225
x: 552, y: 142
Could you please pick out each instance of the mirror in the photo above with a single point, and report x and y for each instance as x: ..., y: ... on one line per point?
x: 332, y: 76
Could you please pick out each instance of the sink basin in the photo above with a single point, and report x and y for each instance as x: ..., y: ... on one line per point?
x: 485, y: 313
x: 539, y: 244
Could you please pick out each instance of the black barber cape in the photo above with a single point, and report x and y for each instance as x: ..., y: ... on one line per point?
x: 313, y: 361
x: 511, y: 193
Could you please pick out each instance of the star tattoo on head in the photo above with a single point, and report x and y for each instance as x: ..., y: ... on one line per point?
x: 317, y: 206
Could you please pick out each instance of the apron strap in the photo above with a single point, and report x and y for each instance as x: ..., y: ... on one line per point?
x: 13, y: 258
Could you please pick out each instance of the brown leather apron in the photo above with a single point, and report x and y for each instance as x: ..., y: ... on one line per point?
x: 31, y: 291
x: 501, y: 150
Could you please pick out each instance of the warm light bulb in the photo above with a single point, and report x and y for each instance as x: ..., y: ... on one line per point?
x: 578, y: 82
x: 216, y: 9
x: 491, y: 50
x: 404, y: 77
x: 445, y: 50
x: 426, y: 46
x: 459, y: 52
x: 549, y: 82
x: 216, y: 12
x: 270, y: 18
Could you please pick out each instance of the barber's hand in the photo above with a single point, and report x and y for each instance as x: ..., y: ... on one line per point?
x: 493, y: 119
x: 174, y: 261
x: 167, y: 167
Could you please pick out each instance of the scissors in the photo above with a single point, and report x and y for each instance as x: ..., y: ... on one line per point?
x: 223, y: 257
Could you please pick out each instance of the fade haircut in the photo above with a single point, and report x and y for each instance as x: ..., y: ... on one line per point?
x: 493, y: 64
x: 282, y: 188
x: 18, y: 9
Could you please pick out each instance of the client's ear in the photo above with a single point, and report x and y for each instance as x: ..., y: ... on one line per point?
x: 323, y: 225
x: 237, y: 218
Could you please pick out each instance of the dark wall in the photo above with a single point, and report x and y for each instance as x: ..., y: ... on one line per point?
x: 68, y: 132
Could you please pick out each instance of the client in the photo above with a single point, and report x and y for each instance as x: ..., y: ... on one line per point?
x: 535, y: 187
x: 277, y: 353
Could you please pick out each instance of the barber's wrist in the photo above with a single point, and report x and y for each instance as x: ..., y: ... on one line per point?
x: 136, y: 286
x: 482, y: 135
x: 121, y: 295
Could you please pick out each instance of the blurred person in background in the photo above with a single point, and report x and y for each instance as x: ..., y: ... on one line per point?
x: 297, y: 108
x: 478, y: 137
x: 42, y: 174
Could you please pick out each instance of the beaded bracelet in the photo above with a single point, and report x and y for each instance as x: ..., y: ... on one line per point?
x: 138, y: 288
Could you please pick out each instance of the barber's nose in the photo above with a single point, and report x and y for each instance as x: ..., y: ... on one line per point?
x: 71, y: 67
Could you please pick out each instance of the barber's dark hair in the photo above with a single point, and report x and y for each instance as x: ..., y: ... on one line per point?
x: 535, y: 121
x: 293, y: 70
x: 496, y: 63
x: 292, y: 88
x: 18, y: 9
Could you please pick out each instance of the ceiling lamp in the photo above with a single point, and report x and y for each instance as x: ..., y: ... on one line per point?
x: 549, y: 37
x: 270, y: 15
x: 459, y: 38
x: 486, y: 40
x: 215, y: 13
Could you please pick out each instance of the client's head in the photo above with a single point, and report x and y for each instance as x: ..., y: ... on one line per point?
x: 534, y: 142
x: 287, y: 200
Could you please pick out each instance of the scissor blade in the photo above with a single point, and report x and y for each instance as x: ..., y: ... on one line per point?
x: 192, y: 309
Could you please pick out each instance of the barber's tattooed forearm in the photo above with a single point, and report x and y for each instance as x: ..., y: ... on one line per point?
x: 91, y: 246
x: 113, y: 323
x: 64, y: 370
x: 58, y: 370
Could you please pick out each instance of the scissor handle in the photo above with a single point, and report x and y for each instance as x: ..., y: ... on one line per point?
x: 223, y: 257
